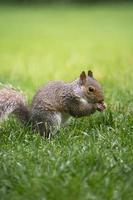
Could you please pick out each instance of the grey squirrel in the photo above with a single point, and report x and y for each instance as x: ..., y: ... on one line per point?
x: 54, y: 103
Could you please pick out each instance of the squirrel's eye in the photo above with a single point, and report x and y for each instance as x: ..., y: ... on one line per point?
x: 91, y: 89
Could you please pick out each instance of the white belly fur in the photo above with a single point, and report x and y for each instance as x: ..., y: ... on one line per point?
x: 62, y: 119
x: 82, y: 100
x: 65, y: 119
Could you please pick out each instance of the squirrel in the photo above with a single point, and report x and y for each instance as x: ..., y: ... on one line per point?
x: 54, y: 104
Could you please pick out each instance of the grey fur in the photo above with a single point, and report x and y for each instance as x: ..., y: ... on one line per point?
x: 13, y: 101
x: 53, y: 104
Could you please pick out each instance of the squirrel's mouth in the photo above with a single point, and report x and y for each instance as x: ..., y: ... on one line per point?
x: 100, y: 106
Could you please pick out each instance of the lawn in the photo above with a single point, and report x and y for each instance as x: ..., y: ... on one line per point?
x: 91, y: 159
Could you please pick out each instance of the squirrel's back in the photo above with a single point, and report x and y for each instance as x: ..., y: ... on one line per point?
x: 51, y: 96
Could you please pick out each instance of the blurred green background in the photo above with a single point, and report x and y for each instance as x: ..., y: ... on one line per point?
x: 57, y: 42
x: 92, y: 159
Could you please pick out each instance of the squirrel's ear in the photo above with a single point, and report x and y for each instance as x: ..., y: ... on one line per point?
x: 82, y: 78
x: 90, y: 73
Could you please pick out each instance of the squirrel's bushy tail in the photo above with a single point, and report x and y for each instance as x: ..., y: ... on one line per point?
x: 13, y: 102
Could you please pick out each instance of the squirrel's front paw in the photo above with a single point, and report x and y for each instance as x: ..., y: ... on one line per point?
x: 100, y: 106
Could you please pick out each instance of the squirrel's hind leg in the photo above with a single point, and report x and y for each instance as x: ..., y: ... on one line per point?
x: 48, y: 123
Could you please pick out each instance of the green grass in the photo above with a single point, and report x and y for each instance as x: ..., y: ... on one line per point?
x: 92, y: 159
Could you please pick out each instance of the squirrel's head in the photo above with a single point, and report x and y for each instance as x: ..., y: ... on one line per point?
x: 92, y: 90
